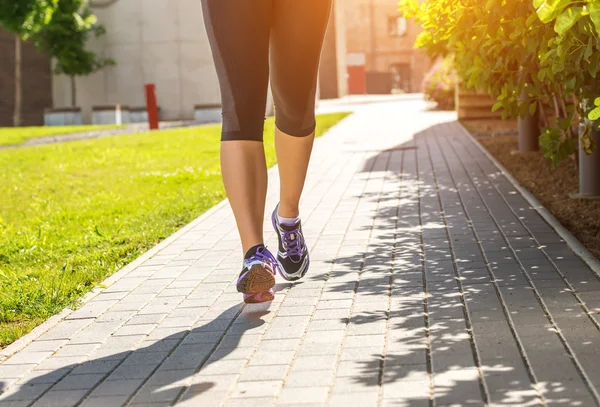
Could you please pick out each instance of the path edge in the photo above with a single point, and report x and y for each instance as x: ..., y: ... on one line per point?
x: 574, y: 244
x: 50, y: 323
x: 45, y: 326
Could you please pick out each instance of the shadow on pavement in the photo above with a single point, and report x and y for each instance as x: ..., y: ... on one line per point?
x: 175, y: 358
x: 429, y: 351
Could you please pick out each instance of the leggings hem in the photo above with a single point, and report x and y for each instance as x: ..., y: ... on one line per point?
x: 297, y: 133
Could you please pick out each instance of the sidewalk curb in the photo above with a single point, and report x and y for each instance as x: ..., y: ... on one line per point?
x: 574, y: 244
x: 25, y: 340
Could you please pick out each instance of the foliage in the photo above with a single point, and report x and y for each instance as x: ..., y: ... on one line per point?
x: 26, y: 18
x: 73, y: 213
x: 439, y: 84
x: 573, y: 61
x: 59, y: 28
x: 525, y: 53
x: 66, y: 35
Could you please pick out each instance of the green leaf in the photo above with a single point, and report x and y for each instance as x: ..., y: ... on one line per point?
x: 557, y: 66
x: 563, y: 123
x: 497, y: 106
x: 551, y: 9
x: 568, y: 19
x: 547, y: 56
x: 531, y: 19
x: 532, y: 108
x: 595, y: 16
x: 589, y: 49
x: 594, y: 63
x: 597, y: 101
x: 594, y: 114
x: 570, y: 84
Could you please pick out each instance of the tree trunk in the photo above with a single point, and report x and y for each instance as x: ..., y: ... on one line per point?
x: 529, y: 127
x: 18, y: 83
x: 73, y: 92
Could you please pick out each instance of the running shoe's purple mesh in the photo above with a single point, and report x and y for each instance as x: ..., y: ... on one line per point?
x: 264, y: 256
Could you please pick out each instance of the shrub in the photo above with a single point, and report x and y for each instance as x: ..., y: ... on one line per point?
x: 439, y: 84
x: 524, y: 53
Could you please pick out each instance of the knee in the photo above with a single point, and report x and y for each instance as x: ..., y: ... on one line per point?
x: 236, y: 128
x: 296, y: 123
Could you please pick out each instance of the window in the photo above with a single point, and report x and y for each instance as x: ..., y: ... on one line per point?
x: 397, y: 26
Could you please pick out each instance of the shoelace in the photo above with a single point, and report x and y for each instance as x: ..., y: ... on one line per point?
x: 265, y: 256
x: 293, y: 242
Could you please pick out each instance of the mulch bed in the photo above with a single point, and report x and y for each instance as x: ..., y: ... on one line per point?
x: 551, y: 186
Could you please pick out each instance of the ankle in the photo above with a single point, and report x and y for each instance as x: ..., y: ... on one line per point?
x: 288, y: 211
x: 251, y: 250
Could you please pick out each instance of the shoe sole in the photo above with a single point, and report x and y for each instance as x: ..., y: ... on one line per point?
x: 259, y: 298
x: 259, y: 279
x: 281, y: 272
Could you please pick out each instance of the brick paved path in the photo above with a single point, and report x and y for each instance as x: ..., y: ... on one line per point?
x: 433, y: 283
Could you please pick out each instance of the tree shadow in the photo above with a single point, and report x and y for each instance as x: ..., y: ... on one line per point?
x: 429, y: 356
x: 203, y: 346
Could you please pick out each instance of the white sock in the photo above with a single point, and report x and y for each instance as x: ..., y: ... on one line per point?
x: 288, y: 221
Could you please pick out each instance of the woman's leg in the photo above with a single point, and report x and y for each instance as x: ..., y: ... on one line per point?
x: 239, y: 34
x: 298, y: 32
x: 297, y: 39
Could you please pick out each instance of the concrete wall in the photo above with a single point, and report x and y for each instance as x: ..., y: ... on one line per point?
x: 36, y: 82
x: 383, y: 50
x: 152, y: 41
x: 332, y: 75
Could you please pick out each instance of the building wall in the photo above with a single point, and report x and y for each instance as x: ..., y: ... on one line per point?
x: 332, y: 74
x: 160, y: 41
x: 381, y: 49
x: 36, y: 82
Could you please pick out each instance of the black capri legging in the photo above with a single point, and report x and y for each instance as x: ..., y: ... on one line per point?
x: 246, y: 34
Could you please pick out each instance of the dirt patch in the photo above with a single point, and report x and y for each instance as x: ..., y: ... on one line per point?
x: 551, y: 186
x: 491, y: 128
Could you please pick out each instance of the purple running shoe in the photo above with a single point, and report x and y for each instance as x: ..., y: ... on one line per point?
x: 257, y: 278
x: 293, y: 254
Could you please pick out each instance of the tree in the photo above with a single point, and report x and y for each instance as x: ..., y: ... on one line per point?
x: 65, y: 38
x: 59, y: 28
x: 24, y: 18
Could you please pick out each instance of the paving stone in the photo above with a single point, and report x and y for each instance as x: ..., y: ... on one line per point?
x: 96, y: 367
x: 314, y: 362
x: 122, y: 387
x: 267, y: 357
x: 27, y: 358
x: 137, y: 371
x: 260, y: 373
x: 314, y: 378
x: 266, y: 388
x: 64, y: 398
x: 79, y: 382
x: 44, y: 376
x: 52, y: 363
x: 299, y: 395
x: 103, y: 401
x: 76, y: 350
x: 25, y: 391
x: 250, y: 402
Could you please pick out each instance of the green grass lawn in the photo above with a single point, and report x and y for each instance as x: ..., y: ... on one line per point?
x: 19, y: 135
x: 73, y: 213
